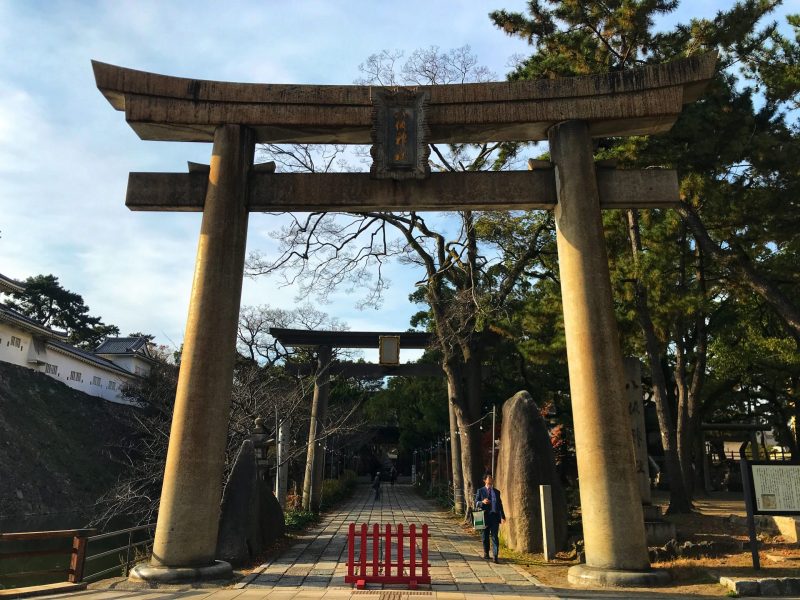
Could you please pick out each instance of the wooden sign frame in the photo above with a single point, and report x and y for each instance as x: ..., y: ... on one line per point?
x: 400, y: 134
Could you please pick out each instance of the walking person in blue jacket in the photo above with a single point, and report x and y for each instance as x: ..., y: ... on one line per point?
x: 488, y: 500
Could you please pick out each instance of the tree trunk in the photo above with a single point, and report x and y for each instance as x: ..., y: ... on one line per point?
x: 685, y: 434
x: 679, y: 501
x: 312, y: 482
x: 455, y: 456
x: 685, y: 437
x: 795, y: 392
x: 699, y: 372
x: 469, y: 437
x: 470, y: 456
x: 472, y: 362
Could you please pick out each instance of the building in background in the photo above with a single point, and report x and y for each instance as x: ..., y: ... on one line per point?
x: 117, y: 362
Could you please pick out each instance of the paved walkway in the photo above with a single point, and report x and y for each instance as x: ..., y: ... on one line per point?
x: 318, y: 558
x: 313, y: 568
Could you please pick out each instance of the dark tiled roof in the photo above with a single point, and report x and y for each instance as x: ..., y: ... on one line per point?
x: 87, y: 356
x: 10, y: 285
x: 122, y: 345
x: 13, y: 316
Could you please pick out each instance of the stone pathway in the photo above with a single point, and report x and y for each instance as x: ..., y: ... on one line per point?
x: 313, y: 568
x: 318, y: 558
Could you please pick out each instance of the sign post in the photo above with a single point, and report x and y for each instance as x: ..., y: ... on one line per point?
x: 770, y: 488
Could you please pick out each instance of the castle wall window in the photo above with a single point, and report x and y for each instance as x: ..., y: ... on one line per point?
x: 95, y: 381
x: 15, y: 342
x: 51, y: 369
x: 75, y: 376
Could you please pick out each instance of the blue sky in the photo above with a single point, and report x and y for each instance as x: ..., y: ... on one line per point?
x: 65, y: 153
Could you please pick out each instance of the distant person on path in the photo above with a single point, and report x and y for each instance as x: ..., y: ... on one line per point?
x: 393, y: 477
x: 376, y: 485
x: 488, y: 500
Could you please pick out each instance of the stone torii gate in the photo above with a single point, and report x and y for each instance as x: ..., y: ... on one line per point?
x: 568, y: 112
x: 325, y: 342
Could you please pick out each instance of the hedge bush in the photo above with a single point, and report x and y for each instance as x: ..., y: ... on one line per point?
x: 333, y: 492
x: 297, y: 520
x: 336, y: 490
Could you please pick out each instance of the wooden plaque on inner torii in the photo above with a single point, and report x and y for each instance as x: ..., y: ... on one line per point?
x: 400, y: 134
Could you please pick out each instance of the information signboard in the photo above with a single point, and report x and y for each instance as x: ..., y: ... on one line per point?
x: 770, y: 488
x: 776, y: 488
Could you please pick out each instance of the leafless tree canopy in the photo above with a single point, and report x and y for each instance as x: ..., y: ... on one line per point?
x: 468, y: 263
x: 321, y: 252
x: 261, y: 388
x: 254, y: 341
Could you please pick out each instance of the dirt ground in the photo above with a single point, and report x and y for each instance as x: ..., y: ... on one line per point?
x: 696, y: 577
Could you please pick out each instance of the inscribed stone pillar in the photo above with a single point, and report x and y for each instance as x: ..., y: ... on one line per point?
x: 282, y: 470
x: 315, y: 456
x: 611, y: 509
x: 186, y: 533
x: 633, y: 388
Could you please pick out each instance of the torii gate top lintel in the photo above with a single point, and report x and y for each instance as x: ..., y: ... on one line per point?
x: 633, y: 102
x: 347, y: 339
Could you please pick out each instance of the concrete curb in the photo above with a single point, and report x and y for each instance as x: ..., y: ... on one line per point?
x: 762, y: 586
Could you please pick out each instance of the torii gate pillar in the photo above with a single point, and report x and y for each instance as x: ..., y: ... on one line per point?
x: 613, y: 525
x: 186, y: 534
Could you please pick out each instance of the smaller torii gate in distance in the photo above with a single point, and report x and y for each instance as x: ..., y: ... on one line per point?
x: 568, y: 112
x: 325, y: 342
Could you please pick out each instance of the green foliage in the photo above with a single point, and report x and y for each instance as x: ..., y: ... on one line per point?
x: 336, y: 490
x: 47, y: 302
x: 441, y: 493
x: 737, y: 153
x: 297, y: 520
x: 574, y: 37
x: 776, y: 66
x: 333, y: 492
x: 417, y: 406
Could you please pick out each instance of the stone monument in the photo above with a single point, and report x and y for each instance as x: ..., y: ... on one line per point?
x: 524, y: 463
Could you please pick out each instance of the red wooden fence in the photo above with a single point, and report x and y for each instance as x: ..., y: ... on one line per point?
x: 388, y: 566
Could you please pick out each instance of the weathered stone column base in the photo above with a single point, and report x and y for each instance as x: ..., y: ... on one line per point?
x: 587, y: 576
x: 146, y: 572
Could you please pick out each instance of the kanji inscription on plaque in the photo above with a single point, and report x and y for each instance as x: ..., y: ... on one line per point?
x: 399, y: 134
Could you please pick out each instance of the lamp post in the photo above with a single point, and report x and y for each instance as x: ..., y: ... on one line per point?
x: 261, y: 441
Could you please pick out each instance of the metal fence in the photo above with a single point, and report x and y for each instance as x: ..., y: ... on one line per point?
x: 128, y: 550
x: 35, y: 562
